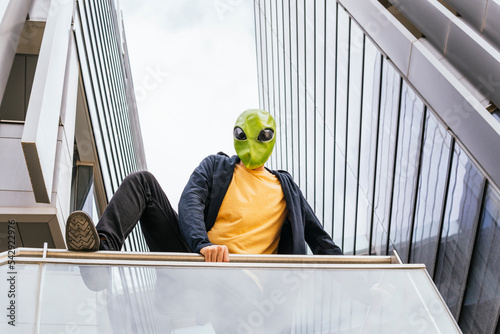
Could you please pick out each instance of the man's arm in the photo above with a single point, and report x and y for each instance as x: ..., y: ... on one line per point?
x: 192, y: 205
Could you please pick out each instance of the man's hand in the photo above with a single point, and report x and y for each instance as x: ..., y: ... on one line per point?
x: 215, y: 253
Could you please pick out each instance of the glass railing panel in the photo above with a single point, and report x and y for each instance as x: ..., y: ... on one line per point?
x: 194, y: 298
x: 18, y: 297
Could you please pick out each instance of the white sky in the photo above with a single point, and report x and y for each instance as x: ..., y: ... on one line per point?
x: 194, y: 70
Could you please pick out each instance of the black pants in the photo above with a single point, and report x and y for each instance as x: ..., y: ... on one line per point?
x: 140, y: 197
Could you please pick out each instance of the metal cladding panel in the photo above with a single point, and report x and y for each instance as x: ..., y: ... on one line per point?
x: 12, y: 18
x: 474, y: 56
x: 385, y: 30
x: 492, y: 22
x: 431, y: 19
x: 14, y: 175
x: 42, y: 119
x: 457, y: 107
x: 471, y: 11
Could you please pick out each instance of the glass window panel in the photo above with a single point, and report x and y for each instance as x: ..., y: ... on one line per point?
x: 293, y: 32
x: 127, y: 245
x: 431, y: 188
x: 301, y: 120
x: 355, y: 84
x: 93, y: 206
x: 330, y: 78
x: 263, y: 55
x: 82, y: 184
x: 340, y: 122
x: 301, y: 46
x: 329, y: 184
x: 481, y: 307
x: 320, y: 58
x: 330, y: 69
x: 320, y: 157
x: 342, y: 77
x: 338, y: 188
x: 389, y: 110
x: 296, y: 135
x: 350, y: 210
x: 270, y: 54
x: 301, y: 138
x: 276, y: 107
x: 289, y: 132
x: 319, y: 97
x: 371, y: 89
x: 310, y: 49
x: 378, y: 237
x: 294, y: 88
x: 363, y: 224
x: 319, y: 112
x: 405, y: 177
x: 311, y: 149
x: 281, y: 84
x: 353, y: 132
x: 369, y: 122
x: 288, y: 91
x: 458, y: 230
x: 258, y: 46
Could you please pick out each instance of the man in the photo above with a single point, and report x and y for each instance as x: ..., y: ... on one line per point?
x: 230, y: 205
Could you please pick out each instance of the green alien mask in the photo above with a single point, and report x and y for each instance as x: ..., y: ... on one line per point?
x: 254, y: 137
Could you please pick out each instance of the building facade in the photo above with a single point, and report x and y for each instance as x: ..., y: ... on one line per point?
x: 388, y: 120
x: 69, y: 128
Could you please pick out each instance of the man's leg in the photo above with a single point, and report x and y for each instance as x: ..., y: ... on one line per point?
x: 139, y: 197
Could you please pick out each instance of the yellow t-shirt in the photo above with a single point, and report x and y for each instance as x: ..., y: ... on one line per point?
x: 251, y: 215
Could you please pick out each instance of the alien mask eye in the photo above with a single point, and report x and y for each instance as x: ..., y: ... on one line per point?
x: 239, y: 134
x: 265, y: 135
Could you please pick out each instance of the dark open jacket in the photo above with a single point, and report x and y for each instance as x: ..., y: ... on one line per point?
x: 202, y: 197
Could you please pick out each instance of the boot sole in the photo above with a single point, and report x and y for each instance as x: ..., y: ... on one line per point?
x: 81, y: 234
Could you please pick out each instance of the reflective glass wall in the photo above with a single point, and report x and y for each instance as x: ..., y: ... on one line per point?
x: 110, y: 100
x: 380, y: 169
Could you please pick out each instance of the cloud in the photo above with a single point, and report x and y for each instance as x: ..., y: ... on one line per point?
x: 208, y: 76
